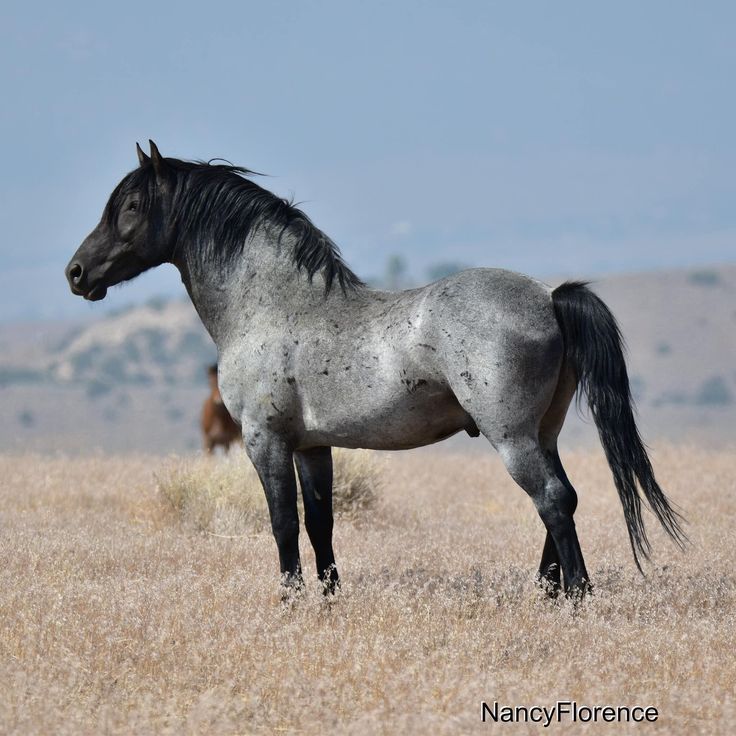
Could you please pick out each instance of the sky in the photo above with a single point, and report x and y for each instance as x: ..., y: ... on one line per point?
x: 569, y: 138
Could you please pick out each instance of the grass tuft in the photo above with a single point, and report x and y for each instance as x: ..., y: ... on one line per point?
x: 223, y: 496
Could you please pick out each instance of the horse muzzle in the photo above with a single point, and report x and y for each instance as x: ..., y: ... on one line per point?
x: 76, y: 275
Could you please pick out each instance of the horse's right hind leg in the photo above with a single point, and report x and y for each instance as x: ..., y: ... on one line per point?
x: 549, y: 430
x: 536, y: 472
x: 549, y: 567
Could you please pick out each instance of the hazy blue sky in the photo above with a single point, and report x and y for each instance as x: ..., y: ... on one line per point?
x: 568, y: 137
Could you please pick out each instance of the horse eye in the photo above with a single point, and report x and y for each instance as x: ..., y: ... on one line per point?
x: 133, y: 206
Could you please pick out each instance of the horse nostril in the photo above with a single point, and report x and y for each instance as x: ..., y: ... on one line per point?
x: 75, y: 273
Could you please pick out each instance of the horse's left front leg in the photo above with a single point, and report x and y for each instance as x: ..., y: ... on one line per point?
x: 273, y: 459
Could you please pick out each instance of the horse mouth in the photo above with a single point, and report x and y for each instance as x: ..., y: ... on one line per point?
x: 96, y: 293
x: 93, y: 295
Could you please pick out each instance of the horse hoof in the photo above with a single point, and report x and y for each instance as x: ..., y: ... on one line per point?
x: 550, y: 588
x: 578, y: 591
x: 292, y: 588
x: 550, y: 585
x: 330, y: 581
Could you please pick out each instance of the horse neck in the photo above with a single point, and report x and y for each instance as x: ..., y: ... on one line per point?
x: 257, y: 287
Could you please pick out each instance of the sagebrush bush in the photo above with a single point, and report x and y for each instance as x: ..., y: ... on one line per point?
x: 224, y: 495
x: 356, y: 482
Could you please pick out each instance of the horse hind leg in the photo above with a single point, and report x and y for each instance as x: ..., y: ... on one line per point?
x: 549, y: 575
x: 550, y: 427
x: 521, y: 416
x: 549, y: 567
x: 534, y: 470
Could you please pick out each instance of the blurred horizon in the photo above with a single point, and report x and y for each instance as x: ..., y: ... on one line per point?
x: 573, y: 140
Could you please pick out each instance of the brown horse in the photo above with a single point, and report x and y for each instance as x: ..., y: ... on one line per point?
x: 218, y: 427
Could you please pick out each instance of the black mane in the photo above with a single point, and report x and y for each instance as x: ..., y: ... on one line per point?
x: 217, y: 206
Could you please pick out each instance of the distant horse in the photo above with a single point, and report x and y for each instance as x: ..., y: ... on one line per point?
x: 306, y: 366
x: 218, y: 427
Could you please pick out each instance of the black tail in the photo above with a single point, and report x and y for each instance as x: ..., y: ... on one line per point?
x: 594, y: 349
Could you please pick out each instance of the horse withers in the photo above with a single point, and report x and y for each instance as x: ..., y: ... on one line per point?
x: 310, y: 358
x: 218, y: 427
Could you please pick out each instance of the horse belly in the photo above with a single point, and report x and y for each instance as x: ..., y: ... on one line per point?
x: 381, y: 419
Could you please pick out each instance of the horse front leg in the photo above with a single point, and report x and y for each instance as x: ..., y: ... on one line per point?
x: 273, y: 459
x: 315, y: 477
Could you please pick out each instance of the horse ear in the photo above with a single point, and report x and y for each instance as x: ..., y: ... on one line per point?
x: 143, y: 159
x: 157, y: 158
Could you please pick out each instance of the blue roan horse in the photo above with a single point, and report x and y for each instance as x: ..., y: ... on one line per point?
x: 310, y: 358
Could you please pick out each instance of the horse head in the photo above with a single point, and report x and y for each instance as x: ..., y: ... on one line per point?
x: 133, y: 235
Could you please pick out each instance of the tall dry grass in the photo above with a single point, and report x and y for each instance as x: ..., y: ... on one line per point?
x: 225, y: 496
x: 116, y: 618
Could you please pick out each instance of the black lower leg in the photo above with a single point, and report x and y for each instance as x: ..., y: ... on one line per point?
x: 576, y: 581
x: 549, y: 568
x: 273, y: 460
x: 286, y: 534
x: 578, y: 585
x: 315, y: 477
x: 541, y: 475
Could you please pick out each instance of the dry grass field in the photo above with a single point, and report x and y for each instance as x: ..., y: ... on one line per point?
x: 119, y: 616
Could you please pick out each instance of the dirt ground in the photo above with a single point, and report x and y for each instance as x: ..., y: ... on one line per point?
x: 116, y: 618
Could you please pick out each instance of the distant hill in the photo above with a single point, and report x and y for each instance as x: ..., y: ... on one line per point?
x: 680, y: 330
x: 135, y: 379
x: 680, y: 327
x: 157, y: 343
